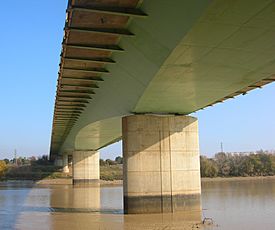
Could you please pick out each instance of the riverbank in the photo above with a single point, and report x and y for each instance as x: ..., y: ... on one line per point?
x: 54, y: 173
x: 70, y: 182
x: 109, y: 175
x: 120, y: 182
x: 220, y: 179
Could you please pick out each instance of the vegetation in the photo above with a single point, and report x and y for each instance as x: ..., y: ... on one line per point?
x: 118, y: 160
x: 3, y: 168
x: 31, y: 172
x: 222, y: 165
x: 231, y: 165
x: 111, y: 172
x: 30, y: 169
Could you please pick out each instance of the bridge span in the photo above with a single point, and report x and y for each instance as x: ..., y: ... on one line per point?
x: 134, y: 70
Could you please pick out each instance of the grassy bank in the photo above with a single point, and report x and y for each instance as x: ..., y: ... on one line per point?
x: 247, y: 178
x: 111, y: 172
x: 47, y: 172
x: 33, y: 172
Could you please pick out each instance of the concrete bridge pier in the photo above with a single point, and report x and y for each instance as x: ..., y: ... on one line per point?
x: 65, y: 163
x: 161, y: 164
x: 58, y: 160
x: 85, y: 167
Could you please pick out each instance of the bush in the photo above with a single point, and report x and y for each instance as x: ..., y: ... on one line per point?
x: 111, y: 172
x: 119, y: 160
x: 209, y: 167
x: 226, y: 164
x: 3, y: 168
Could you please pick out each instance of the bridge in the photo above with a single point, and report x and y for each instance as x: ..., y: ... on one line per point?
x: 134, y: 70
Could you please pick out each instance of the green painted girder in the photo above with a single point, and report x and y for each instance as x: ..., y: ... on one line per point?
x: 72, y: 100
x: 80, y: 86
x: 96, y: 60
x: 66, y: 112
x: 66, y: 123
x: 68, y: 109
x: 90, y: 70
x: 113, y: 48
x: 111, y: 31
x: 61, y: 128
x: 76, y: 91
x: 73, y: 97
x: 60, y: 121
x: 86, y: 79
x: 69, y: 104
x: 66, y: 116
x: 131, y: 12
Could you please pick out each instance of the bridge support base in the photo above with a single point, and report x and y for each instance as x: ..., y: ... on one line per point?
x: 161, y: 164
x: 85, y: 167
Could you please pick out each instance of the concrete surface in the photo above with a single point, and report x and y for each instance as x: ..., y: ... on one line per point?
x: 85, y: 167
x: 161, y: 164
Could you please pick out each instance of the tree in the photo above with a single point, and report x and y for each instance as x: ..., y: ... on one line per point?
x: 102, y: 162
x: 43, y: 160
x: 223, y: 164
x: 119, y: 160
x: 110, y: 162
x: 3, y: 167
x: 208, y: 167
x: 7, y: 161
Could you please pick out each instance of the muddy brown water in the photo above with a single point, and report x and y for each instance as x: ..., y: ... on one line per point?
x: 248, y: 204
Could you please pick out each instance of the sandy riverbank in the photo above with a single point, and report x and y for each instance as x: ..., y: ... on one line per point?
x: 69, y: 182
x: 207, y: 179
x: 120, y: 182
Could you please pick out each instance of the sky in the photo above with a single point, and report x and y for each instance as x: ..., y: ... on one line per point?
x: 30, y: 44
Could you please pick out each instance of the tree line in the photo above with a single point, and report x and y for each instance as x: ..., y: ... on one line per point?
x: 107, y: 162
x: 231, y: 165
x: 261, y: 163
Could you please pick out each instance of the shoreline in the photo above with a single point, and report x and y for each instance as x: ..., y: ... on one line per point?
x: 223, y: 179
x: 68, y: 181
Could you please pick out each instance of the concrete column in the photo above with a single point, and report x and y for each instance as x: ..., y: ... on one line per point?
x: 58, y: 161
x: 85, y: 167
x: 161, y: 164
x: 65, y: 163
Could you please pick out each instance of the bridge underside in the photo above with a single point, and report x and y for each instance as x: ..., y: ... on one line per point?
x: 131, y: 57
x: 124, y: 57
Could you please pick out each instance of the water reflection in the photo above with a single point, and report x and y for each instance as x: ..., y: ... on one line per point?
x: 75, y: 199
x: 232, y: 205
x: 60, y: 207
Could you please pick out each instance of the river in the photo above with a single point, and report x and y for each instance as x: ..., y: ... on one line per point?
x: 238, y: 205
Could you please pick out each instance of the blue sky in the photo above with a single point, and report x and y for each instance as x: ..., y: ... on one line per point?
x: 30, y: 42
